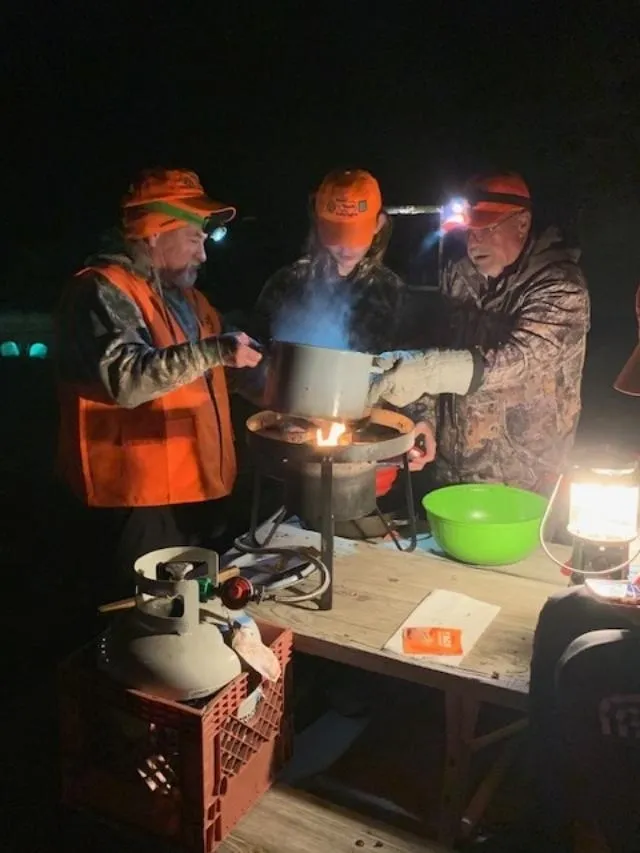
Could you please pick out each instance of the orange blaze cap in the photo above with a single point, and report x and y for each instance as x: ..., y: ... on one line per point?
x: 494, y: 198
x: 165, y: 199
x: 347, y: 206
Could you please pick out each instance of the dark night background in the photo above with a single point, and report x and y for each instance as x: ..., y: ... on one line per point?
x: 261, y: 99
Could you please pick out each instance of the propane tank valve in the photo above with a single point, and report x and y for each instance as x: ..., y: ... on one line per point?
x: 235, y: 593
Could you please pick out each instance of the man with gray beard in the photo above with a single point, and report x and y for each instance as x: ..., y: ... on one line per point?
x: 145, y: 441
x: 503, y: 393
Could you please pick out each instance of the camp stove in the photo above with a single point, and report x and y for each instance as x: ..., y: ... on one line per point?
x: 328, y: 469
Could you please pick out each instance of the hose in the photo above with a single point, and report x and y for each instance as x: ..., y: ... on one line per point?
x: 301, y: 552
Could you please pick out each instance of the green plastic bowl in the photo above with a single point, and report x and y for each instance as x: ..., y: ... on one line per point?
x: 486, y: 525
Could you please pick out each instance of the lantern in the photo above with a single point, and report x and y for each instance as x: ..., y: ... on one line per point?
x: 603, y: 504
x: 604, y: 500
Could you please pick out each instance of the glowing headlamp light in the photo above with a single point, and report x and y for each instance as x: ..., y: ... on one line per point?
x: 217, y: 233
x: 455, y: 214
x: 213, y: 225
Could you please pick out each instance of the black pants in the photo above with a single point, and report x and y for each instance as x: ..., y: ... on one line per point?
x: 103, y: 544
x: 565, y: 617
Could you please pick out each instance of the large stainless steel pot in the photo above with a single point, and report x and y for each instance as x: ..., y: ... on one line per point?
x: 315, y: 382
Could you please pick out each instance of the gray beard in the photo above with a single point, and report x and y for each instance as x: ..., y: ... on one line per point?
x: 184, y: 280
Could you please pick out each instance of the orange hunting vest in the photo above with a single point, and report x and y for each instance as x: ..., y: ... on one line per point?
x: 175, y: 449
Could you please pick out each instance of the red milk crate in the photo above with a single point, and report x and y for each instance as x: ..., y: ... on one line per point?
x: 184, y: 772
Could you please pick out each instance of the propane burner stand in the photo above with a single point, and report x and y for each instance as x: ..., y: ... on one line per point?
x: 325, y: 483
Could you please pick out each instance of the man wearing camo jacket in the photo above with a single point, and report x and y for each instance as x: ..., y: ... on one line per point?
x: 503, y: 394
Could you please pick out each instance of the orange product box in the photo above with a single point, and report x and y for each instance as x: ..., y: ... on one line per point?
x: 432, y: 641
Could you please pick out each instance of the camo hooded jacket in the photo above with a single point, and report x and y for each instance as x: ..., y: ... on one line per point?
x: 362, y: 311
x: 531, y: 326
x: 103, y: 338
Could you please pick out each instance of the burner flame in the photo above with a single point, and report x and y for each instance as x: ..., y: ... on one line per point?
x: 332, y: 439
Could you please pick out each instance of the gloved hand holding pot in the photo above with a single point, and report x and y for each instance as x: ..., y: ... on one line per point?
x: 408, y: 375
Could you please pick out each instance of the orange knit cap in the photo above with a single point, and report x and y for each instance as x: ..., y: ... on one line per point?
x: 165, y: 199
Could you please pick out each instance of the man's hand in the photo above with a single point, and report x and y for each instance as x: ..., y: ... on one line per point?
x: 424, y: 450
x: 237, y: 349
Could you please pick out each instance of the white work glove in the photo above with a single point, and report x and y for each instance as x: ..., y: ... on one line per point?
x: 409, y: 375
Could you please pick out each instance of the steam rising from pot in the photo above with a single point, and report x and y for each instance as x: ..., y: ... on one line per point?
x: 321, y: 317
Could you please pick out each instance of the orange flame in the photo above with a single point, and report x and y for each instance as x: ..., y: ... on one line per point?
x: 333, y: 438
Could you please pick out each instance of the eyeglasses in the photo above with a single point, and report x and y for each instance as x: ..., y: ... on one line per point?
x: 490, y: 230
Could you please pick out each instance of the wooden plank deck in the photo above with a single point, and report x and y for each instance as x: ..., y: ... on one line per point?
x: 287, y: 821
x: 375, y: 590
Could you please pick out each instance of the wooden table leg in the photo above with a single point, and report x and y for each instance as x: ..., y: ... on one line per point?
x: 461, y: 716
x: 487, y: 788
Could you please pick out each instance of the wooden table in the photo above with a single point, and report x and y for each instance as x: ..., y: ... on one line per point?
x: 376, y: 589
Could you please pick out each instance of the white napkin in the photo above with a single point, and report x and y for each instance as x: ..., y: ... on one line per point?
x: 445, y: 609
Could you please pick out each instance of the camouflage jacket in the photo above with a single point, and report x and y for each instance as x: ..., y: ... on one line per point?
x: 531, y: 326
x: 361, y: 312
x: 103, y: 338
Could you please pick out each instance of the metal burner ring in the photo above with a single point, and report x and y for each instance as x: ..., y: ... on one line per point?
x: 269, y: 446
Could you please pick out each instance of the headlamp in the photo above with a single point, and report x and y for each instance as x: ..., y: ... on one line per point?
x: 455, y: 214
x: 212, y: 225
x: 218, y: 233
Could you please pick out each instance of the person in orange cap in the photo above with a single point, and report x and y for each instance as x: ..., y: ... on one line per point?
x: 145, y: 436
x: 340, y: 294
x: 503, y: 391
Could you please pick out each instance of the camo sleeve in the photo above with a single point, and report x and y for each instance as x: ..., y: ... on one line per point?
x: 103, y: 338
x: 423, y: 410
x: 552, y: 324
